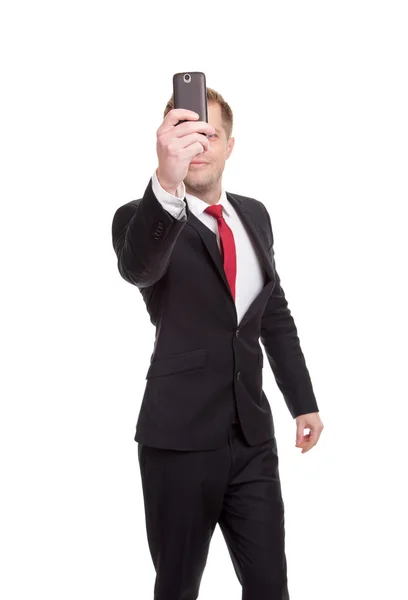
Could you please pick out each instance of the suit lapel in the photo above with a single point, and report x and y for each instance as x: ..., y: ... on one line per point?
x: 210, y: 242
x: 254, y: 233
x: 210, y: 239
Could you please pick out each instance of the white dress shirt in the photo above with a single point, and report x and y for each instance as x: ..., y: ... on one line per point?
x: 250, y: 278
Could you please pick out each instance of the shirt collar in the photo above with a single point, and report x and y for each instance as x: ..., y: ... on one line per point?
x: 198, y: 206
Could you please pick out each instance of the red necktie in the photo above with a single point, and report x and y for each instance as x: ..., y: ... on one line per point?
x: 227, y: 245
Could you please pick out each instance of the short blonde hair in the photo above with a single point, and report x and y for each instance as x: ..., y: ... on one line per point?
x: 212, y: 96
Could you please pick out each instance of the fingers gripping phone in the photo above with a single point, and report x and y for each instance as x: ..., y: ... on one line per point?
x: 190, y: 91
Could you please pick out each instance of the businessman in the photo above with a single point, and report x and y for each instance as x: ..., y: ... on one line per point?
x: 203, y: 260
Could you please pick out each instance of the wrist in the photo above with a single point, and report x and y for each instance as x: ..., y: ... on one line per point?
x: 169, y: 188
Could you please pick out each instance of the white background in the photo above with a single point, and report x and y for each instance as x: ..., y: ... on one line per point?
x: 319, y: 96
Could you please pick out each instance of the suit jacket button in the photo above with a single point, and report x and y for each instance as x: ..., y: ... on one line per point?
x: 237, y: 332
x: 239, y: 375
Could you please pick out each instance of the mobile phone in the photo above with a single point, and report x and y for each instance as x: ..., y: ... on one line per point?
x: 190, y: 91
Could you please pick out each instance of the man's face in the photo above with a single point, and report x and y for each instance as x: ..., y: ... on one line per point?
x: 205, y: 177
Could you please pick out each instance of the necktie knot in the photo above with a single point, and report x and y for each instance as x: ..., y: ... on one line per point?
x: 215, y: 210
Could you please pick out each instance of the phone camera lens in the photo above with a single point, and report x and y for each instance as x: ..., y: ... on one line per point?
x: 187, y: 78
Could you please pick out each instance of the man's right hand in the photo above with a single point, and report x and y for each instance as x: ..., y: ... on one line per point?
x: 177, y: 146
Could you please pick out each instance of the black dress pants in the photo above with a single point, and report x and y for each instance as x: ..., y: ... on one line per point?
x: 186, y: 493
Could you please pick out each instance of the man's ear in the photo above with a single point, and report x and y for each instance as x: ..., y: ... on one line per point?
x: 231, y: 143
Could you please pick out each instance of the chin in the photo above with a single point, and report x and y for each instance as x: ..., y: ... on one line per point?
x: 198, y: 178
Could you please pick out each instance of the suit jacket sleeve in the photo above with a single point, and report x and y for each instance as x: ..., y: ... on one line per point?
x: 280, y: 339
x: 143, y: 235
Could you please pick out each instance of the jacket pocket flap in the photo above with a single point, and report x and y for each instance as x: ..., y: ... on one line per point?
x: 177, y: 363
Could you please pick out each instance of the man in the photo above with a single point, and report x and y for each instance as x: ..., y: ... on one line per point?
x: 203, y: 260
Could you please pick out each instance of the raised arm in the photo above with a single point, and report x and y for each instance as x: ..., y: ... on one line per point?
x: 145, y: 231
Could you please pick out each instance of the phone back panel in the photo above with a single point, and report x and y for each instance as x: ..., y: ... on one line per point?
x: 191, y: 94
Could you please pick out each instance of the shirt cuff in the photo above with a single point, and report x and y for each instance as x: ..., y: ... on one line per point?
x: 175, y: 205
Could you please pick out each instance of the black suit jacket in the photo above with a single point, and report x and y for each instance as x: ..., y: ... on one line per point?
x: 203, y: 360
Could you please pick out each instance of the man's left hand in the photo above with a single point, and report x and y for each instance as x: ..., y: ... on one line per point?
x: 312, y: 422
